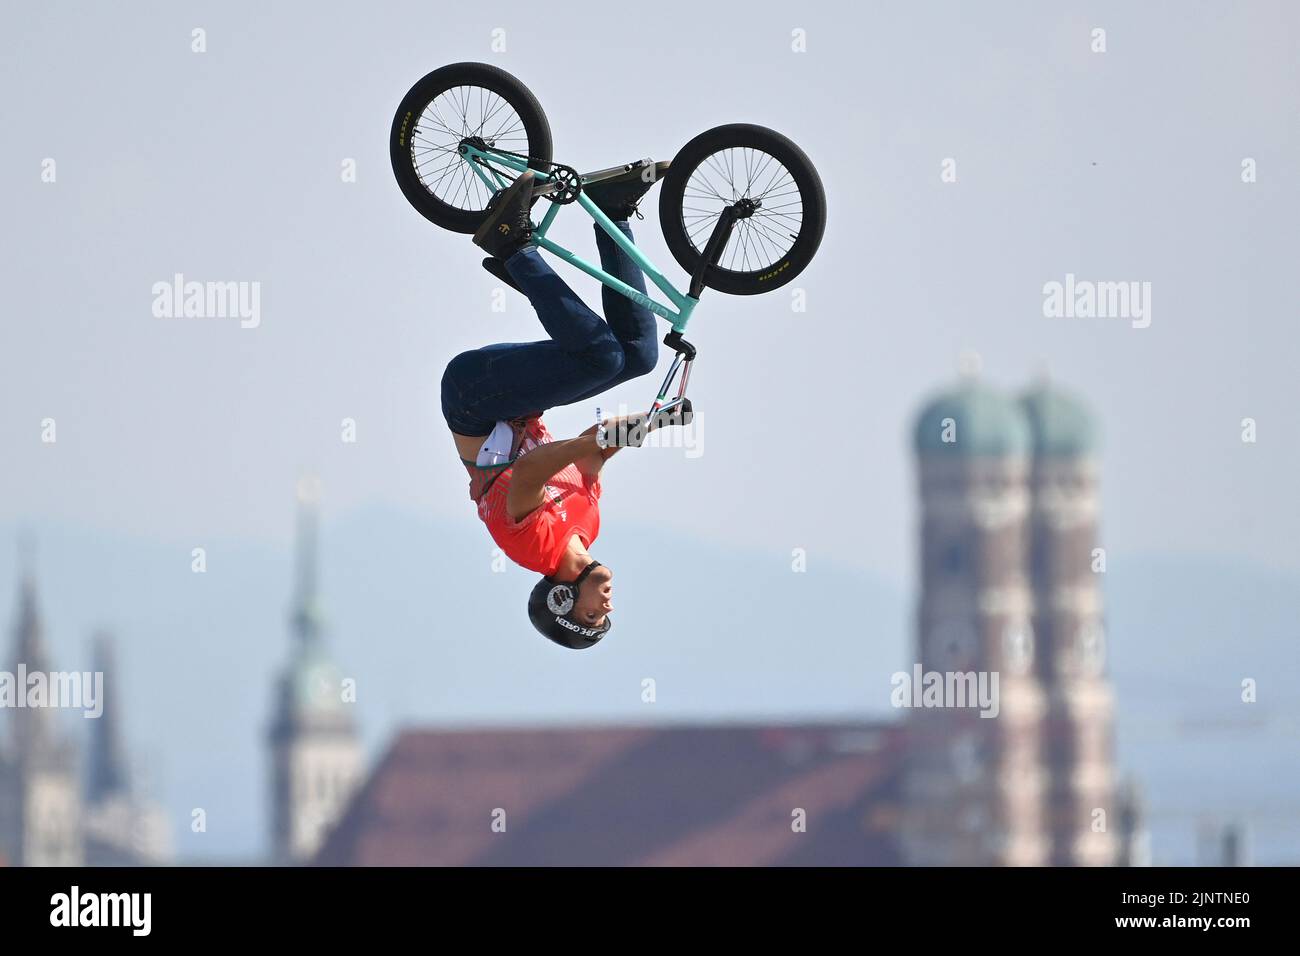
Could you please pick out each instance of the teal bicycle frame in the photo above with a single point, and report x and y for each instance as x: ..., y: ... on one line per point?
x: 482, y: 160
x: 684, y: 304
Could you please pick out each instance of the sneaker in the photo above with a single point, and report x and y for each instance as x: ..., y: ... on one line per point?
x: 509, y: 224
x: 618, y: 197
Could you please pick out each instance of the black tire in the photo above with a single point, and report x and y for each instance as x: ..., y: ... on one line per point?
x: 770, y: 248
x: 418, y: 154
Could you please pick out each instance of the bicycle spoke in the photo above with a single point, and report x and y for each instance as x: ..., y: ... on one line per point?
x: 768, y: 245
x: 743, y: 172
x: 449, y: 118
x: 448, y: 170
x: 478, y: 131
x: 725, y: 175
x: 761, y: 229
x: 700, y: 229
x: 762, y: 167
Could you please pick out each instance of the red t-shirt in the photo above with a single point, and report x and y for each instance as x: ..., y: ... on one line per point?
x: 539, y: 540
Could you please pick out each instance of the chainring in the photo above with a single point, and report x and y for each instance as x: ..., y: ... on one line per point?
x: 567, y: 184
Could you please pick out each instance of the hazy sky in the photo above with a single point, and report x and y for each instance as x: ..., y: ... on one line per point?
x: 225, y: 166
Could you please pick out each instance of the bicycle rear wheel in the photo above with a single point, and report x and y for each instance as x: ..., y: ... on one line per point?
x: 730, y: 163
x: 453, y: 103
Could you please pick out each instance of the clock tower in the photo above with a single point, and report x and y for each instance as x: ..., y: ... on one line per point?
x: 315, y: 755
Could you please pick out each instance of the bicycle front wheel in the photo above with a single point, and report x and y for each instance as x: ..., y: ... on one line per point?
x: 451, y: 104
x: 722, y: 166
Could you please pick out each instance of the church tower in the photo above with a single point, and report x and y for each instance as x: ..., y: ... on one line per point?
x: 1065, y: 567
x: 106, y: 776
x: 122, y: 826
x: 40, y: 811
x: 973, y: 785
x: 316, y: 759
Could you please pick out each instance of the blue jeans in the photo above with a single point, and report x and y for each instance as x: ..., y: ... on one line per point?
x: 584, y: 356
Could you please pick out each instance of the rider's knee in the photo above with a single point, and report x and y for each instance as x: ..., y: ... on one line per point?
x: 640, y: 359
x: 606, y: 361
x: 455, y: 376
x: 456, y: 369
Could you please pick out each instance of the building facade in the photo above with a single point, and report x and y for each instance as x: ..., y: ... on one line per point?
x: 51, y: 814
x: 1010, y: 571
x: 40, y: 801
x: 677, y: 795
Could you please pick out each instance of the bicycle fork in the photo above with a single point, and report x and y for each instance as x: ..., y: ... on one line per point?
x: 685, y: 351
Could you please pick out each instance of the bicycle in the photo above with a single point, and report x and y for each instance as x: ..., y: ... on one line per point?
x: 741, y: 208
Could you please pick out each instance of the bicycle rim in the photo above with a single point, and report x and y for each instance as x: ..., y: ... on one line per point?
x: 451, y: 116
x: 744, y: 172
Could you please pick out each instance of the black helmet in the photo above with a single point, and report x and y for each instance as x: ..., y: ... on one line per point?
x: 550, y: 608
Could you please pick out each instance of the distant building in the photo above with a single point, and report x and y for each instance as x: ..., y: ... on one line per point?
x: 820, y: 794
x: 1069, y: 637
x: 45, y: 817
x: 1134, y: 840
x: 40, y: 802
x: 316, y: 758
x: 974, y: 786
x: 1008, y: 586
x: 122, y: 827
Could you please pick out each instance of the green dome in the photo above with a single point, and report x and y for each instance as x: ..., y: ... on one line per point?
x: 985, y: 423
x: 1059, y: 422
